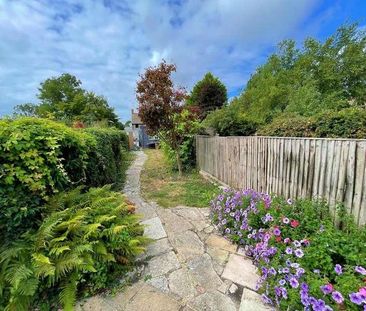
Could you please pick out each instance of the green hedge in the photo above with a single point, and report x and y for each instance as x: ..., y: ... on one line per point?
x: 346, y: 123
x: 289, y: 126
x: 106, y: 159
x: 40, y: 157
x: 230, y: 122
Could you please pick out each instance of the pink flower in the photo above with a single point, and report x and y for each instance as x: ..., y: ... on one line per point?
x: 294, y: 223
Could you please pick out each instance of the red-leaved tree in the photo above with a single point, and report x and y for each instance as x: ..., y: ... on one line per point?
x: 161, y: 109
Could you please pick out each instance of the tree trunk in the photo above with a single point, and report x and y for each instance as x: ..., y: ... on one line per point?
x: 179, y: 163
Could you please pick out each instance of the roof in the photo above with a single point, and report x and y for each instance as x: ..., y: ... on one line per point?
x: 135, y: 118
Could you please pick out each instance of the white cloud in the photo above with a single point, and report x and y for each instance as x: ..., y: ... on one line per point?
x: 107, y: 43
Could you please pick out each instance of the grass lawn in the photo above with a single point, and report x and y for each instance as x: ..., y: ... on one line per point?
x: 160, y: 184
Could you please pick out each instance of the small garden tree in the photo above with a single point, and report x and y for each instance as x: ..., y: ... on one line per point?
x: 208, y: 94
x: 161, y: 110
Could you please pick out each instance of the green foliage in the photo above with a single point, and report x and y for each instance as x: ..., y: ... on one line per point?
x: 305, y: 83
x: 346, y: 123
x: 187, y: 154
x: 82, y: 241
x: 229, y: 121
x: 106, y: 158
x: 289, y: 125
x: 38, y: 157
x: 208, y: 94
x: 187, y: 126
x: 62, y: 98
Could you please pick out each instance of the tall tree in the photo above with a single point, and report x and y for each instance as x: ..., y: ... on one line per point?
x: 160, y: 107
x: 63, y: 98
x: 208, y: 94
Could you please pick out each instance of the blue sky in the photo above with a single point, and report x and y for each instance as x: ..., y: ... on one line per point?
x: 106, y: 43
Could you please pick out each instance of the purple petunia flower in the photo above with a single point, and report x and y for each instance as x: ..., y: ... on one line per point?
x: 282, y: 282
x: 304, y: 289
x: 288, y: 251
x: 338, y: 269
x: 286, y: 220
x: 276, y: 231
x: 317, y: 271
x: 319, y: 305
x: 361, y: 270
x: 337, y: 296
x: 285, y: 270
x: 288, y: 263
x: 294, y: 283
x: 356, y: 298
x: 295, y: 265
x: 272, y: 271
x: 278, y: 291
x: 287, y: 240
x: 243, y: 227
x: 327, y: 289
x: 299, y: 253
x: 300, y: 272
x: 224, y: 221
x: 266, y: 299
x: 289, y: 201
x: 227, y: 230
x: 284, y: 292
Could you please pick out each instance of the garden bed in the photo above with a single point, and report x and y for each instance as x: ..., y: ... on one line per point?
x: 305, y: 262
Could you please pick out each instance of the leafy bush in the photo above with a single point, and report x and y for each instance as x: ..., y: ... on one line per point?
x: 187, y: 154
x: 228, y: 121
x: 348, y: 123
x: 289, y: 125
x: 105, y: 159
x: 305, y: 262
x: 38, y: 157
x: 84, y: 239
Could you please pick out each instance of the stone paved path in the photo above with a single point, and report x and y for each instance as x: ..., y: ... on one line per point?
x: 189, y: 266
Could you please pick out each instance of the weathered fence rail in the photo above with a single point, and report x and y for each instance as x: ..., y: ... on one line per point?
x: 330, y: 169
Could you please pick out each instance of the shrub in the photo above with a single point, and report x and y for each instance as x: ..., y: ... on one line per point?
x: 187, y: 154
x: 289, y: 125
x: 82, y: 242
x: 38, y: 157
x: 229, y: 122
x: 305, y: 262
x: 105, y: 159
x: 348, y: 123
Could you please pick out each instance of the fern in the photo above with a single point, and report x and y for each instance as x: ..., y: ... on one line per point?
x: 83, y: 234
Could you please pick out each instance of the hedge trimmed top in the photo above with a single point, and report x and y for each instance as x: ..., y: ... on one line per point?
x: 39, y: 157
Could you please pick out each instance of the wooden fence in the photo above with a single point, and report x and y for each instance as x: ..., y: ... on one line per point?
x: 330, y: 169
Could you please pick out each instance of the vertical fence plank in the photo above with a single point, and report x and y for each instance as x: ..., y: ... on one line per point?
x: 359, y: 180
x: 350, y: 176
